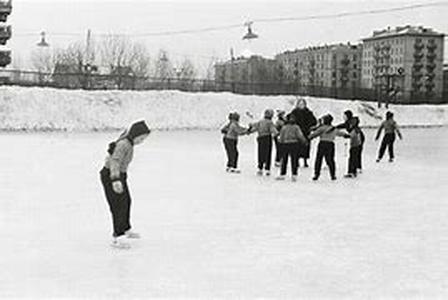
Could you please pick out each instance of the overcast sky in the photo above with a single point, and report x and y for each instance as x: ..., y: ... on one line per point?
x: 73, y: 18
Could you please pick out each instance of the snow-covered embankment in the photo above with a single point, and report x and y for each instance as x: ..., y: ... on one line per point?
x: 37, y: 109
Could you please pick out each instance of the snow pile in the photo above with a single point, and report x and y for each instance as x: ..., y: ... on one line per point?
x: 77, y: 110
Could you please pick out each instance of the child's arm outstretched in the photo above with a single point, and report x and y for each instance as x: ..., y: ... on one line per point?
x: 316, y: 132
x: 397, y: 129
x: 378, y: 133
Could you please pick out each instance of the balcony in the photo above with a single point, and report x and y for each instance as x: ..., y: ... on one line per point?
x: 345, y: 61
x: 418, y: 46
x: 418, y: 56
x: 431, y: 47
x: 5, y: 56
x: 431, y: 56
x: 5, y: 10
x: 5, y: 34
x: 416, y: 86
x: 417, y: 66
x: 430, y: 67
x: 429, y: 86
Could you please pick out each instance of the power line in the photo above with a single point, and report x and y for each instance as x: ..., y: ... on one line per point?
x: 349, y: 14
x: 264, y: 20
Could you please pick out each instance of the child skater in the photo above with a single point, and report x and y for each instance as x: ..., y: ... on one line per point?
x: 326, y: 149
x: 390, y: 128
x: 356, y: 140
x: 114, y: 180
x: 266, y: 131
x: 361, y: 148
x: 231, y: 132
x: 291, y: 137
x: 281, y: 121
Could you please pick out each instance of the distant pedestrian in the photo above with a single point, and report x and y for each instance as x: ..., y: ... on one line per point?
x: 306, y: 120
x: 391, y: 129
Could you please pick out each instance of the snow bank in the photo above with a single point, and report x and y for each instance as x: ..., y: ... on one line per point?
x: 76, y: 110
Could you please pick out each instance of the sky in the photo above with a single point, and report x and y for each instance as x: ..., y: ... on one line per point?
x: 67, y: 21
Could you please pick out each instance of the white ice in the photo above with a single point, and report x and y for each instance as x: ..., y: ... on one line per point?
x: 208, y: 234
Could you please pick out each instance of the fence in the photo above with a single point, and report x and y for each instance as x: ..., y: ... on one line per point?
x: 89, y: 81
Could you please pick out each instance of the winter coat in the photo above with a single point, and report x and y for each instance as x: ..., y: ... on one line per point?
x: 327, y: 133
x: 390, y: 127
x: 291, y: 133
x: 305, y: 119
x: 264, y: 127
x: 233, y: 129
x: 118, y: 161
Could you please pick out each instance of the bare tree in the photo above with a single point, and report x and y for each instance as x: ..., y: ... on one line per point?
x: 125, y: 59
x: 43, y: 61
x: 163, y: 68
x: 187, y: 70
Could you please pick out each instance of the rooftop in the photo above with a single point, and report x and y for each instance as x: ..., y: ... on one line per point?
x: 403, y: 30
x: 324, y: 47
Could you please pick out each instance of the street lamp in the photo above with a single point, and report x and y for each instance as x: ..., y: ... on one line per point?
x: 43, y: 42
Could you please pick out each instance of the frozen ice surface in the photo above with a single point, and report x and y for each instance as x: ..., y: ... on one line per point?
x: 208, y: 234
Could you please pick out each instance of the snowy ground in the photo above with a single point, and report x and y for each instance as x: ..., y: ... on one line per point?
x: 211, y: 234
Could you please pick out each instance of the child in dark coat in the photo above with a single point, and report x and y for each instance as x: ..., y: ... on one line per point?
x: 356, y: 141
x: 231, y: 132
x: 326, y: 147
x: 266, y: 131
x: 291, y: 137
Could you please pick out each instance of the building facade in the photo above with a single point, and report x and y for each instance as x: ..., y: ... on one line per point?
x: 404, y: 64
x: 331, y: 67
x: 250, y: 74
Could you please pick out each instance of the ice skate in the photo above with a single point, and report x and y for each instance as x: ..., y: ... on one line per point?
x: 234, y: 170
x: 349, y: 175
x: 391, y: 160
x: 315, y: 178
x: 268, y: 173
x: 333, y: 178
x: 281, y: 177
x: 378, y: 160
x: 120, y: 243
x: 132, y: 235
x: 294, y: 178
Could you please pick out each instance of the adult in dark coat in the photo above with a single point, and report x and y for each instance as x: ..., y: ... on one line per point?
x: 306, y: 120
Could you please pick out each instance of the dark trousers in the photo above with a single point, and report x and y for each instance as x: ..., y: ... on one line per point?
x: 278, y: 150
x: 387, y: 142
x: 325, y: 150
x: 359, y: 166
x: 232, y: 152
x: 290, y: 150
x: 119, y: 204
x: 264, y: 152
x: 353, y: 160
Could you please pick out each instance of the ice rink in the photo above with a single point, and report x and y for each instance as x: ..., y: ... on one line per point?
x: 208, y: 234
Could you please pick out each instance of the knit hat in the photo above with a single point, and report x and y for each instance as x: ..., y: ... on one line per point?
x: 137, y: 129
x: 268, y: 113
x: 389, y: 115
x: 327, y: 119
x: 349, y: 114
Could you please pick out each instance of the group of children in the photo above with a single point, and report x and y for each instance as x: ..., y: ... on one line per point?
x: 290, y: 140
